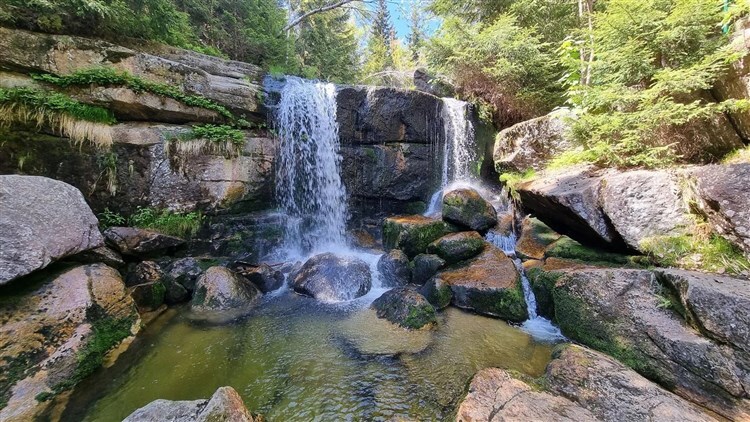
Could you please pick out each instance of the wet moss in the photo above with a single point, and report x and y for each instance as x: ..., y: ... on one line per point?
x: 412, y: 237
x: 543, y: 284
x: 418, y: 317
x: 507, y: 304
x: 568, y: 248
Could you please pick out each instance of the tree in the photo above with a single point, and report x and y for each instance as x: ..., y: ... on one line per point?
x: 417, y: 33
x: 382, y: 35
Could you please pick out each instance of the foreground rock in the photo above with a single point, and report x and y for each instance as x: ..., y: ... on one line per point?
x: 612, y: 391
x: 532, y: 144
x: 579, y: 384
x: 622, y: 313
x: 724, y: 196
x: 394, y: 269
x: 53, y: 336
x: 494, y: 395
x: 488, y: 284
x: 41, y: 221
x: 413, y: 233
x: 404, y: 306
x: 141, y: 243
x: 331, y: 278
x: 220, y: 289
x: 465, y: 207
x: 456, y: 247
x: 225, y: 405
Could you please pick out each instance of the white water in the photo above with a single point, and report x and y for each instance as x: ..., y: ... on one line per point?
x: 308, y: 177
x: 537, y: 326
x: 459, y: 150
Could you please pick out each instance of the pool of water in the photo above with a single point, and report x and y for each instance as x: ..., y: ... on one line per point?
x: 294, y: 359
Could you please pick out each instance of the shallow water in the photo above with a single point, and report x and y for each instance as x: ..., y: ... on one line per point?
x: 297, y: 360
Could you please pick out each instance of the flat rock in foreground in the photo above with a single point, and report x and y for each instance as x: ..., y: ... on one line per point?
x: 225, y: 405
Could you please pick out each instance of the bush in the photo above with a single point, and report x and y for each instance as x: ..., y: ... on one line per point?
x: 167, y: 222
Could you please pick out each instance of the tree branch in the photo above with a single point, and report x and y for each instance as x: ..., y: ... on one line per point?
x: 321, y: 9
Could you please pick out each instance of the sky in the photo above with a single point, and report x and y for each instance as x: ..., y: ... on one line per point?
x: 400, y: 14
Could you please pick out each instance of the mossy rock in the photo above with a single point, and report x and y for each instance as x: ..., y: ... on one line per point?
x: 437, y: 292
x: 424, y: 266
x: 467, y: 208
x: 543, y: 285
x: 568, y: 248
x: 406, y: 307
x: 412, y: 234
x: 535, y: 238
x: 148, y: 296
x: 456, y: 247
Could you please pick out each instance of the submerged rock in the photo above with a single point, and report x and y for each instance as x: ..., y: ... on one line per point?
x: 332, y: 278
x: 394, y: 269
x: 413, y: 233
x: 41, y: 221
x: 225, y: 405
x: 406, y: 307
x: 457, y: 247
x: 220, y: 289
x: 488, y: 284
x: 626, y: 314
x: 495, y: 395
x: 54, y: 334
x: 612, y: 391
x: 425, y: 266
x: 141, y: 243
x: 465, y: 207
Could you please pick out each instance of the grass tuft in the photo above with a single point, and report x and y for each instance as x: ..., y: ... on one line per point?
x: 697, y: 251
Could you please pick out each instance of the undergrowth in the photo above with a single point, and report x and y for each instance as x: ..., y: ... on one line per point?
x: 68, y: 117
x: 164, y: 221
x: 513, y: 180
x: 700, y: 250
x: 107, y: 77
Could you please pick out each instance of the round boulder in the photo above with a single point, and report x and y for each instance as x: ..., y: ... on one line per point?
x: 394, y: 269
x: 466, y: 208
x: 220, y: 289
x: 331, y: 278
x: 457, y: 247
x: 263, y: 276
x: 406, y: 307
x: 425, y: 266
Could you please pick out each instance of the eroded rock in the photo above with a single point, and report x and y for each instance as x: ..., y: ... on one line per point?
x: 225, y: 405
x: 413, y: 233
x: 41, y: 221
x: 405, y: 307
x: 141, y: 243
x: 220, y: 289
x: 467, y: 208
x: 331, y: 278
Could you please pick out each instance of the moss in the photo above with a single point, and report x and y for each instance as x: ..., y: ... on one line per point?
x: 107, y: 332
x: 418, y: 317
x: 15, y: 369
x: 390, y: 234
x: 200, y: 295
x: 512, y: 181
x: 705, y: 252
x: 206, y: 263
x: 568, y: 248
x: 507, y: 304
x: 158, y: 293
x: 443, y: 296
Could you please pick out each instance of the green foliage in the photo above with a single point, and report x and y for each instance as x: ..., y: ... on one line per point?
x: 653, y: 58
x: 108, y: 218
x: 52, y: 103
x: 216, y: 133
x: 696, y: 251
x: 512, y: 181
x: 167, y: 222
x: 105, y: 76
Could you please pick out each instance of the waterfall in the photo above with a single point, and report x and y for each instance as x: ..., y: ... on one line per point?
x: 459, y: 150
x: 538, y: 327
x: 308, y: 181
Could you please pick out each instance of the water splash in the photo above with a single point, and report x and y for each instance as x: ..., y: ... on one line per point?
x: 537, y: 326
x: 308, y: 182
x: 459, y: 150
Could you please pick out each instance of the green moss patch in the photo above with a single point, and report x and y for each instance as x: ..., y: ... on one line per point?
x: 567, y: 248
x: 710, y: 253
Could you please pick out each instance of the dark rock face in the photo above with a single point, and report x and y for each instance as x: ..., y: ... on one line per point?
x: 264, y: 277
x: 148, y: 296
x: 724, y: 196
x: 456, y: 247
x: 143, y: 272
x: 432, y: 84
x: 533, y: 143
x: 331, y: 278
x: 406, y: 307
x: 612, y: 391
x: 620, y: 312
x: 488, y: 284
x: 225, y: 405
x: 42, y: 333
x: 185, y: 271
x: 220, y: 289
x: 413, y: 233
x: 425, y: 266
x: 140, y: 242
x: 495, y: 395
x: 41, y: 221
x: 101, y: 254
x: 735, y: 83
x: 394, y: 269
x: 466, y: 208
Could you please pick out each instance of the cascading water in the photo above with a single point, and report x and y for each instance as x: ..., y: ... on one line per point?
x: 459, y: 152
x: 537, y: 326
x: 308, y: 182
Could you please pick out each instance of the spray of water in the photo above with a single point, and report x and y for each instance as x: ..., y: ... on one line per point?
x: 308, y: 182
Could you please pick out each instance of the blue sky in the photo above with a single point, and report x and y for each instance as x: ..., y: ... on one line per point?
x: 400, y: 14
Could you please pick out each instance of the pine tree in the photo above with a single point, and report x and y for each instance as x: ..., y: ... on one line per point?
x: 383, y: 32
x: 416, y: 36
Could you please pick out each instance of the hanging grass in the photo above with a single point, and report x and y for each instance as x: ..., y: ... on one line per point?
x: 64, y: 115
x: 106, y: 76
